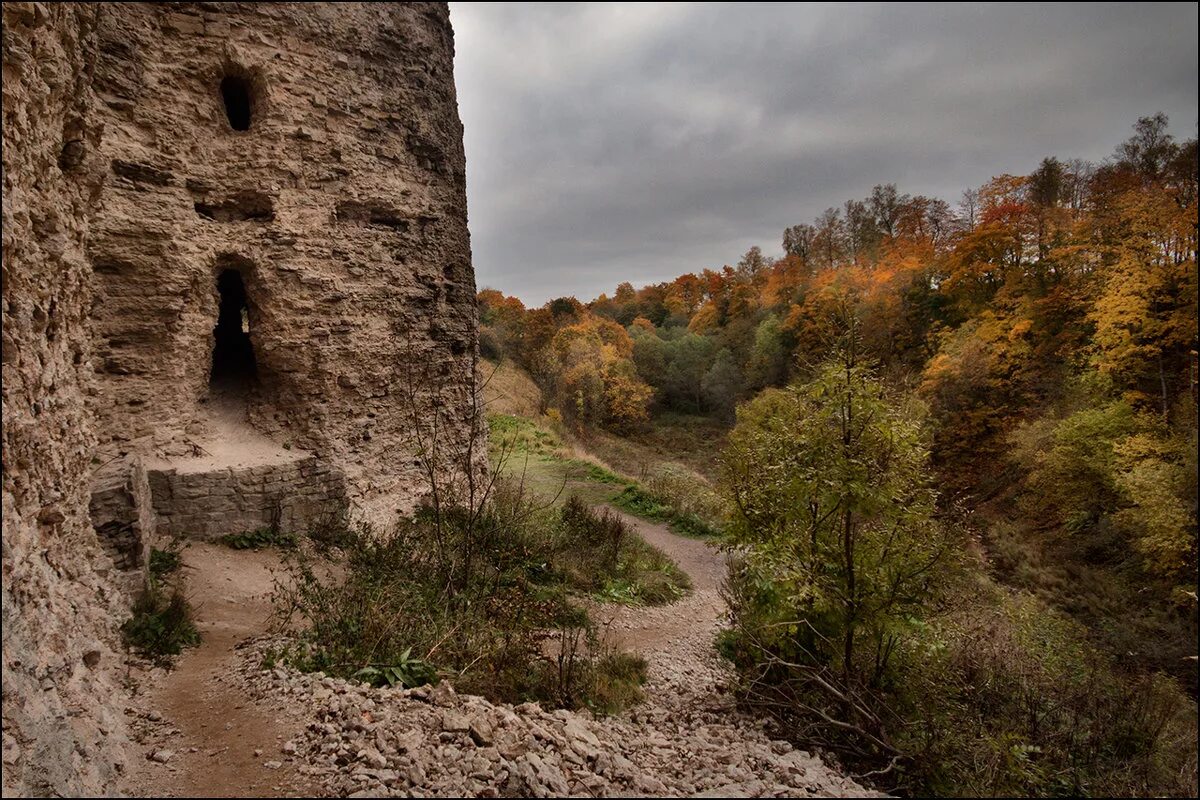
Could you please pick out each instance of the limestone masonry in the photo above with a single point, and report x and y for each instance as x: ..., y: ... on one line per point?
x: 237, y: 275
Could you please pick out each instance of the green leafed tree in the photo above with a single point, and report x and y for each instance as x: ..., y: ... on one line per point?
x: 834, y: 512
x: 722, y: 383
x: 769, y: 356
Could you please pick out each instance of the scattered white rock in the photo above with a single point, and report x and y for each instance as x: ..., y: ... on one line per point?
x: 687, y: 739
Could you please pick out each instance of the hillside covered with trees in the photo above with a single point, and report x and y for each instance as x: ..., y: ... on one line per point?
x: 960, y: 472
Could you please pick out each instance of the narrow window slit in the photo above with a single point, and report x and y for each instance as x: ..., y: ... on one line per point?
x: 235, y: 92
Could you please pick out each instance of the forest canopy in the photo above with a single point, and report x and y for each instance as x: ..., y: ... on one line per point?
x: 1031, y: 353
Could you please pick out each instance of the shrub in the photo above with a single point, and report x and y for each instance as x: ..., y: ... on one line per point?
x: 161, y: 625
x: 865, y: 637
x: 584, y: 671
x: 1005, y: 697
x: 835, y: 510
x: 479, y: 597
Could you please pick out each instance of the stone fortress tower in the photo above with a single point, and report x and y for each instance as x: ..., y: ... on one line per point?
x: 236, y: 270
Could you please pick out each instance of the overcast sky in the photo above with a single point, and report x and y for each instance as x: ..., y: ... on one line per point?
x: 636, y: 142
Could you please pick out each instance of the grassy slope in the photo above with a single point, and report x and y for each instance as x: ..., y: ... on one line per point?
x: 688, y: 441
x: 530, y: 451
x: 656, y: 474
x: 660, y: 474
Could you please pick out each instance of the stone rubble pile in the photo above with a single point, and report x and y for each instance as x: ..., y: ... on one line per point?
x: 686, y: 739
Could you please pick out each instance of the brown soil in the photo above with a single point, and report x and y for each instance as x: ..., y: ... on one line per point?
x: 219, y: 727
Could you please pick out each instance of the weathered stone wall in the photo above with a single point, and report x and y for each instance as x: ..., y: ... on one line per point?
x: 126, y: 193
x: 208, y: 504
x: 343, y: 206
x: 63, y: 727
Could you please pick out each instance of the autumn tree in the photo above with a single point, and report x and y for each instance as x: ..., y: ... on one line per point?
x: 597, y: 381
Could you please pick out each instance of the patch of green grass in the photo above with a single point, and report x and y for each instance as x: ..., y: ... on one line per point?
x: 690, y: 440
x: 518, y: 434
x: 649, y: 588
x: 556, y: 478
x: 536, y: 458
x: 258, y: 539
x: 599, y: 474
x: 616, y: 683
x: 641, y: 503
x: 694, y: 527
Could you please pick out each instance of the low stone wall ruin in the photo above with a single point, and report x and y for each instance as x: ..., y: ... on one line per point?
x: 209, y: 504
x: 124, y: 520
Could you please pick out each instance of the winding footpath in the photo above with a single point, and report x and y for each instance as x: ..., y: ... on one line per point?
x: 221, y: 725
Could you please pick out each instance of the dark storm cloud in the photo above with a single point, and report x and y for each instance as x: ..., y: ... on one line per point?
x: 610, y: 142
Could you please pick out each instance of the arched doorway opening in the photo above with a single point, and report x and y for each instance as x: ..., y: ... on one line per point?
x: 233, y: 365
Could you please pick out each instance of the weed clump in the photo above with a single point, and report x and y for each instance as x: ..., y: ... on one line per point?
x: 332, y: 530
x: 165, y: 562
x: 161, y: 625
x: 260, y: 538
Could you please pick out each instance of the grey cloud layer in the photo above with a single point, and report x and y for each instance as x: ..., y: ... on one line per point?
x: 635, y: 142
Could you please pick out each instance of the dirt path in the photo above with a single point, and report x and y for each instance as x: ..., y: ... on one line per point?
x: 198, y: 712
x: 688, y: 736
x: 693, y: 619
x: 219, y: 738
x: 224, y: 744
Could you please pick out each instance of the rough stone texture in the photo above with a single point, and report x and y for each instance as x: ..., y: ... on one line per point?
x: 59, y: 612
x: 343, y: 207
x: 432, y: 742
x: 126, y: 193
x: 124, y: 518
x: 206, y: 504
